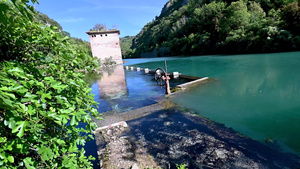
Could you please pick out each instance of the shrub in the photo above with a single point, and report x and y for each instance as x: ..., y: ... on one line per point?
x: 42, y: 98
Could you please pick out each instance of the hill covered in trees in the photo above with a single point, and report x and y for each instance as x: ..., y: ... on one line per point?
x: 125, y: 43
x: 193, y: 27
x: 77, y: 42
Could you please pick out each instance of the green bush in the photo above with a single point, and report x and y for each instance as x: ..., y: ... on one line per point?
x: 42, y: 98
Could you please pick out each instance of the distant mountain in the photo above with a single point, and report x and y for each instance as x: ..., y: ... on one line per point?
x: 194, y: 27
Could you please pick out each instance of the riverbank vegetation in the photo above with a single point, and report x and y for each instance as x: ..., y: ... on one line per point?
x: 43, y: 98
x: 196, y: 27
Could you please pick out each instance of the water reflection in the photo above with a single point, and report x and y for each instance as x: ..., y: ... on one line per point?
x: 112, y: 84
x: 119, y: 91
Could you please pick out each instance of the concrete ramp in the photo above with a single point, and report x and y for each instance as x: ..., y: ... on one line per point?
x: 192, y: 83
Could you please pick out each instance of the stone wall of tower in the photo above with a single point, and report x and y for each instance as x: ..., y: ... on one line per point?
x: 105, y: 44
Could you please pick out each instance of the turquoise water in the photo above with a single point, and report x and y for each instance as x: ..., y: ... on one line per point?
x: 257, y: 95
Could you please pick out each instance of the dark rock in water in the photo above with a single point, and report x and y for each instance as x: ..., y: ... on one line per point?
x: 173, y: 137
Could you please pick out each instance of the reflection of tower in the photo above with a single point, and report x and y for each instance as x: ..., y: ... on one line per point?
x: 112, y: 84
x: 106, y: 44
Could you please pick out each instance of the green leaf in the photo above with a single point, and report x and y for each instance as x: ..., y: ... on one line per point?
x: 55, y: 84
x: 10, y: 145
x: 23, y: 107
x: 49, y: 79
x: 30, y: 110
x: 44, y: 105
x: 58, y: 122
x: 48, y: 95
x: 58, y: 86
x: 11, y: 123
x: 3, y: 139
x: 19, y: 89
x: 11, y: 159
x: 64, y: 120
x: 29, y: 95
x: 18, y: 72
x: 81, y: 142
x: 7, y: 101
x: 54, y: 27
x: 61, y: 99
x: 5, y: 94
x: 92, y: 158
x: 20, y: 128
x: 5, y: 88
x: 65, y: 38
x: 54, y: 116
x: 46, y: 153
x: 29, y: 163
x: 2, y: 155
x: 40, y: 84
x: 73, y: 121
x: 15, y: 70
x: 60, y: 142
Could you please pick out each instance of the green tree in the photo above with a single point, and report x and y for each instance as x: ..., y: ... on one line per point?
x: 291, y: 16
x: 210, y: 15
x: 236, y: 16
x: 257, y: 14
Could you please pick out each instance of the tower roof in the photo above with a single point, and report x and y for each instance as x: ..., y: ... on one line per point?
x: 103, y: 32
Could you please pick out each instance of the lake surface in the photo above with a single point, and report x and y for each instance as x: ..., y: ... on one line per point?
x: 257, y: 95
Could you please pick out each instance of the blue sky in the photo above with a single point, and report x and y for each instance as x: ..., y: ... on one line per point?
x: 79, y: 16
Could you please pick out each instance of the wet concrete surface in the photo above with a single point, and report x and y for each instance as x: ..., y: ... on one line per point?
x: 171, y: 135
x: 176, y: 136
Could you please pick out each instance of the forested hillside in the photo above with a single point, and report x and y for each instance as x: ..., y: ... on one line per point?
x: 79, y: 43
x: 193, y: 27
x: 125, y: 43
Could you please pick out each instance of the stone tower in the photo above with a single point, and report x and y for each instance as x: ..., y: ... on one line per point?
x: 105, y: 44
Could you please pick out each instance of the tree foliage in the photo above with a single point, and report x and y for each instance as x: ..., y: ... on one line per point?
x: 223, y: 26
x: 291, y: 16
x: 42, y: 97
